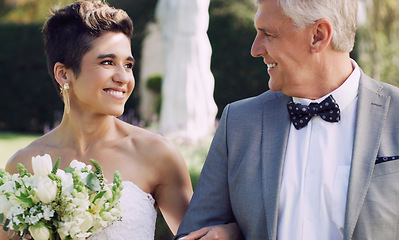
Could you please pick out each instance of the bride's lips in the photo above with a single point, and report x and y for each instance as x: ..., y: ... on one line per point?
x: 118, y: 93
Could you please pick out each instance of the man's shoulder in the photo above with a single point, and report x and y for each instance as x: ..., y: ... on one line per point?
x: 251, y: 109
x: 259, y: 101
x: 371, y: 89
x: 378, y: 87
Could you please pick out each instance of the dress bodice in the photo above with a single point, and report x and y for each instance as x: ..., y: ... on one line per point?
x: 138, y: 216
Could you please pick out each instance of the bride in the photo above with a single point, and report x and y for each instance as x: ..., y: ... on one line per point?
x: 89, y: 57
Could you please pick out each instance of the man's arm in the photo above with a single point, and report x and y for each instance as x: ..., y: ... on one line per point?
x: 210, y: 204
x: 229, y: 231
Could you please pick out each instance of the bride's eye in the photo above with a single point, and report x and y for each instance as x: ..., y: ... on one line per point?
x: 129, y: 65
x: 106, y: 62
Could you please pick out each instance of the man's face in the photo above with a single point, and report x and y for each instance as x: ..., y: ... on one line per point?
x: 284, y: 48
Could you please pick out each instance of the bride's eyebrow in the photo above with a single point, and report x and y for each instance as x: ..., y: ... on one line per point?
x: 113, y: 56
x: 131, y: 59
x: 106, y: 56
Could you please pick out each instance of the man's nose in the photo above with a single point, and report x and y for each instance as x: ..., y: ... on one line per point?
x: 257, y: 49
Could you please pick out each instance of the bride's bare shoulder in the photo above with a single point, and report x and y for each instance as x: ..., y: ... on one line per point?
x: 144, y: 139
x: 152, y: 145
x: 24, y: 155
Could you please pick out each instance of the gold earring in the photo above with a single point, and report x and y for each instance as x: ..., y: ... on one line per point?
x: 65, y: 96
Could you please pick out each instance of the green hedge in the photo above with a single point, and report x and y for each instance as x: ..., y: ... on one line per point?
x: 28, y: 98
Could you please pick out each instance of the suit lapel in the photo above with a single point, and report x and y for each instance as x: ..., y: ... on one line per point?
x: 371, y: 114
x: 276, y: 127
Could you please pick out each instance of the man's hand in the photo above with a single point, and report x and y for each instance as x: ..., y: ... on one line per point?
x: 229, y: 231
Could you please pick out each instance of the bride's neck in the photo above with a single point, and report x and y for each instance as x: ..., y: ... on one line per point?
x: 82, y: 132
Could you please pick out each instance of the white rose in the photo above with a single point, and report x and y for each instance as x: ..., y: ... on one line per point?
x: 42, y: 165
x: 46, y: 190
x: 86, y: 223
x: 8, y: 187
x: 40, y: 233
x: 77, y: 165
x: 83, y: 176
x: 66, y: 180
x: 5, y: 205
x: 15, y: 201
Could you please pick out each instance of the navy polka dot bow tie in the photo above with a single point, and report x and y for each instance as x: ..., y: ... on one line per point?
x: 300, y: 114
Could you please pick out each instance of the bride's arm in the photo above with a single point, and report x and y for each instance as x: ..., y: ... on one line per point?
x: 174, y: 191
x: 3, y: 234
x: 12, y: 167
x: 9, y: 235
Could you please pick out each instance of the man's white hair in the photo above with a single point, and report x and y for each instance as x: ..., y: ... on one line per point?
x: 341, y: 14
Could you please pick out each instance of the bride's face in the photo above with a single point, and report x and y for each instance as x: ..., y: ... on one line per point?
x: 106, y: 78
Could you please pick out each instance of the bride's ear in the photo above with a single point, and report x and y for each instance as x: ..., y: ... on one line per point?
x: 61, y: 74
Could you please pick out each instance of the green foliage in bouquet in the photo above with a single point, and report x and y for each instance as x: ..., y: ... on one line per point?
x: 58, y: 204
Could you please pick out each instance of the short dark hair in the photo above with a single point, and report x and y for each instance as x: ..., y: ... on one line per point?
x: 70, y: 31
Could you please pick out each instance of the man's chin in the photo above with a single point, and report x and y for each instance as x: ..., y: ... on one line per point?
x: 274, y: 86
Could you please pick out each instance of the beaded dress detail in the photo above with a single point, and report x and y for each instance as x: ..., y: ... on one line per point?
x: 138, y: 216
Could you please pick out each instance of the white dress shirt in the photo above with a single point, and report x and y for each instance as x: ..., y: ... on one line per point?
x: 316, y: 171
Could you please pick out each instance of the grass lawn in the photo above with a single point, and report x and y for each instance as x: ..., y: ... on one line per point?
x: 11, y: 142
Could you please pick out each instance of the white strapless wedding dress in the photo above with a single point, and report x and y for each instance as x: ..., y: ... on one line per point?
x: 138, y: 217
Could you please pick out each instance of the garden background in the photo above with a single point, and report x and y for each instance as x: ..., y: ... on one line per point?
x: 30, y: 105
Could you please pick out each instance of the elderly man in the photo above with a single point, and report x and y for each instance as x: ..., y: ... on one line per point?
x: 315, y: 156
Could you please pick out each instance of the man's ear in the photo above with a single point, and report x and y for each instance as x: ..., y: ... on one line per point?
x: 322, y: 35
x: 61, y: 74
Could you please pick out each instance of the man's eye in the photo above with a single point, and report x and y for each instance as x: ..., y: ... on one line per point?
x: 268, y: 35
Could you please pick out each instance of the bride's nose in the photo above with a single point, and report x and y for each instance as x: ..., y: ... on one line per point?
x: 122, y: 75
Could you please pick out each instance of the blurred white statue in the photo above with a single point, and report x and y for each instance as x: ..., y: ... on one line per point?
x: 151, y: 64
x: 188, y: 108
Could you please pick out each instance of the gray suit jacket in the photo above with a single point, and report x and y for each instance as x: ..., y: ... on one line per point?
x: 241, y: 177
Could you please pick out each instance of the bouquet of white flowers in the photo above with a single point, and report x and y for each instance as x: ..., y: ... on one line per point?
x: 58, y: 204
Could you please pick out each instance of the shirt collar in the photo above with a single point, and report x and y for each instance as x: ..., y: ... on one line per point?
x: 344, y: 94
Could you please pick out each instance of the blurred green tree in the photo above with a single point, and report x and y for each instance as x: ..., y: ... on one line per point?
x: 231, y: 31
x: 378, y: 40
x: 4, y: 8
x: 28, y: 11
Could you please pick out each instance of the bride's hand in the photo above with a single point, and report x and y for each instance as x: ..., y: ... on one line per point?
x: 229, y: 231
x: 9, y: 235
